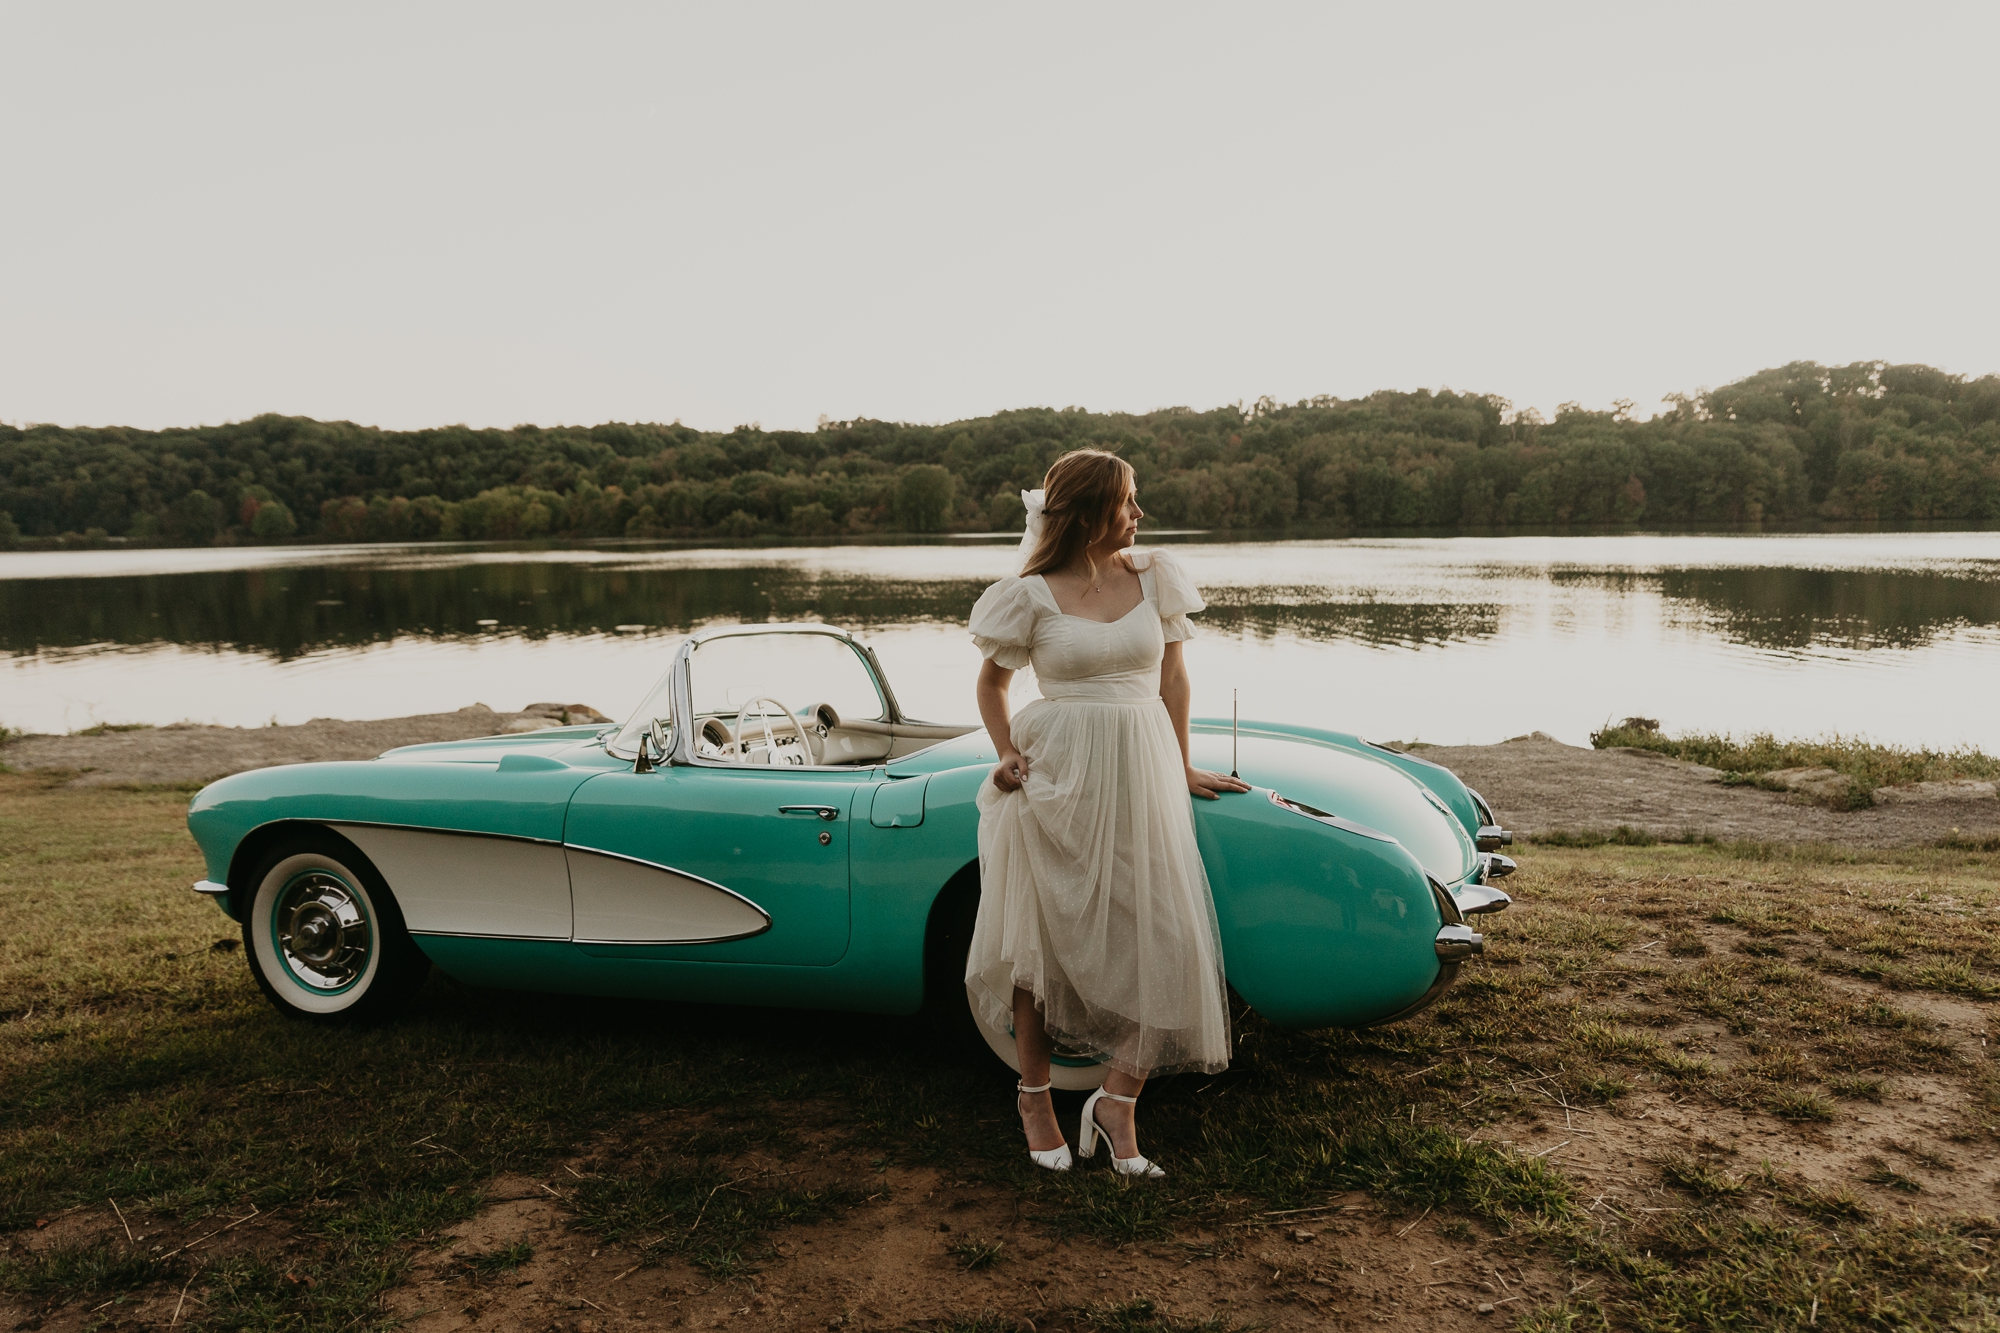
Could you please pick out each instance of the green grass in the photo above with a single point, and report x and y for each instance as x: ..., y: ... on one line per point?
x: 140, y: 1064
x: 973, y: 1255
x: 1866, y: 763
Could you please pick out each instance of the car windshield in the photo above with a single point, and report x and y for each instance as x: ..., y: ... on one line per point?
x: 799, y: 671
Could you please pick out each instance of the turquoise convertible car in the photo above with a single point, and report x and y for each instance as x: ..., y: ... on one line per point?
x: 770, y: 829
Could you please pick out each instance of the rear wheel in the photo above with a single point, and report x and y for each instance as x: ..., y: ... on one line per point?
x: 324, y: 937
x: 947, y: 945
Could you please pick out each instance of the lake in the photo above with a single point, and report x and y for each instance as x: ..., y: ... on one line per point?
x: 1894, y: 636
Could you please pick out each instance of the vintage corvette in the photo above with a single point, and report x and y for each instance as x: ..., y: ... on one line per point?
x: 769, y: 829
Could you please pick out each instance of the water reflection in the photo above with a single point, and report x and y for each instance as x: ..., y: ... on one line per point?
x: 287, y: 612
x: 1450, y: 639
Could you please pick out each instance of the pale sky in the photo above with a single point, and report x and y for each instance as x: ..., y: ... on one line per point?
x: 411, y: 215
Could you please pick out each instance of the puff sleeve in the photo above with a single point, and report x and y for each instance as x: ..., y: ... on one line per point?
x: 1003, y: 622
x: 1175, y: 595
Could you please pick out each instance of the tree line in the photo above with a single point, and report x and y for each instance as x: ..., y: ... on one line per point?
x: 1867, y: 442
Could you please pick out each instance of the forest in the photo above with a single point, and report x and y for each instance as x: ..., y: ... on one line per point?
x: 1868, y: 442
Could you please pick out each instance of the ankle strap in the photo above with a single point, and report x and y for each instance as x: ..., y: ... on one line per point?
x: 1117, y: 1097
x: 1022, y: 1087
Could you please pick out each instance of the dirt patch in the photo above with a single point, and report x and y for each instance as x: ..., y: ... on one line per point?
x: 186, y: 753
x: 1538, y: 785
x: 1904, y: 1147
x: 926, y: 1249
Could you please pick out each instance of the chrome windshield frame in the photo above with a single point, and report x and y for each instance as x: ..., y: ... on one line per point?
x: 680, y: 696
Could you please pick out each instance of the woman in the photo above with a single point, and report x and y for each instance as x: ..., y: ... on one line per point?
x: 1095, y: 924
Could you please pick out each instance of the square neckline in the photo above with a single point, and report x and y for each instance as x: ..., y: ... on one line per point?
x: 1145, y: 596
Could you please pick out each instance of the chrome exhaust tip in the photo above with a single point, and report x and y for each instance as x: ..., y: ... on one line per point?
x: 1456, y: 942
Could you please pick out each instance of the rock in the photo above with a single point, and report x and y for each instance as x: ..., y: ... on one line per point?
x: 1822, y: 784
x: 567, y: 714
x: 1918, y: 793
x: 1304, y: 1237
x: 1484, y: 1307
x: 530, y: 723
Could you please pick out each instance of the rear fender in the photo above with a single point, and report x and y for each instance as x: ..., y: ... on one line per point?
x: 1321, y: 926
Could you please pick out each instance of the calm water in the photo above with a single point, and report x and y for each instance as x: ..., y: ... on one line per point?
x: 1467, y: 639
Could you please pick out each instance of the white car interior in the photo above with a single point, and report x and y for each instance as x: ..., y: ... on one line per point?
x: 747, y: 690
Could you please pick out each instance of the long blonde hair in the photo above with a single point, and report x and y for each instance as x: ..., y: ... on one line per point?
x: 1084, y: 490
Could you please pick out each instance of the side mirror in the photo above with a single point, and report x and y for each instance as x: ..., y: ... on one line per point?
x: 656, y: 739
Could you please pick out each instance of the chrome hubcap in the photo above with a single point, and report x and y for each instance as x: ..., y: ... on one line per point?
x: 322, y: 931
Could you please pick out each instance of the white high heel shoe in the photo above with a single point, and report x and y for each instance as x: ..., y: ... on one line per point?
x: 1086, y: 1140
x: 1052, y: 1159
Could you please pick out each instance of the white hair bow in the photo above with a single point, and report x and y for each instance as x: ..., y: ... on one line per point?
x: 1034, y: 500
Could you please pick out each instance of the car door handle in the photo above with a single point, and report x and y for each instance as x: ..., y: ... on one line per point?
x: 827, y: 812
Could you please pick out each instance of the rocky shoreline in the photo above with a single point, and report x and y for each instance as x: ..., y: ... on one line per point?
x: 1537, y: 785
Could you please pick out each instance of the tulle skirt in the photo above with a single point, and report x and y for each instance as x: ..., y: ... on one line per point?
x: 1093, y: 895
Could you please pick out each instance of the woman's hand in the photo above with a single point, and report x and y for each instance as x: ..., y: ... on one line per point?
x: 1209, y: 785
x: 1011, y: 772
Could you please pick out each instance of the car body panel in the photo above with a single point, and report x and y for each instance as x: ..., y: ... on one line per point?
x: 554, y: 861
x: 469, y: 797
x: 1354, y: 781
x: 725, y: 826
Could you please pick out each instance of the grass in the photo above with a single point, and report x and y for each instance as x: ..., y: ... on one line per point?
x: 1866, y: 764
x: 141, y: 1065
x: 696, y: 1209
x: 973, y: 1255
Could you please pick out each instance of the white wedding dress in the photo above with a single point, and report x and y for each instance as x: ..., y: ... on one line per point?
x: 1092, y: 892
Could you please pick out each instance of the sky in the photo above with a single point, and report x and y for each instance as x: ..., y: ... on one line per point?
x: 421, y: 214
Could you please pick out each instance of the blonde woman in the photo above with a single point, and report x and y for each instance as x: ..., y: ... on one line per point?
x: 1095, y: 926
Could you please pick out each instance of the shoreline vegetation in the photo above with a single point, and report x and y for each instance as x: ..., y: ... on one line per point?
x: 1864, y: 443
x: 1858, y: 769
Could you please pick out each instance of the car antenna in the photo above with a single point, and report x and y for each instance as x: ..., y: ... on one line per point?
x: 1232, y: 735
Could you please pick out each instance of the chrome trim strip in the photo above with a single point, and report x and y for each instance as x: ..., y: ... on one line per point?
x: 472, y: 935
x: 1475, y: 899
x: 1337, y: 821
x: 211, y: 888
x: 1447, y: 974
x: 699, y: 879
x: 1447, y: 967
x: 431, y: 828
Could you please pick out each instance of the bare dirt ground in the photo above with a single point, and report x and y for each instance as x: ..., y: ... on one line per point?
x: 187, y: 753
x: 1539, y: 785
x: 1535, y: 783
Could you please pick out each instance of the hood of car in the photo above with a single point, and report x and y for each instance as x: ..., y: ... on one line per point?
x: 573, y: 747
x: 1356, y: 787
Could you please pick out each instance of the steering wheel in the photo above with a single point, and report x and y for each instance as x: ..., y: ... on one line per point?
x: 764, y: 717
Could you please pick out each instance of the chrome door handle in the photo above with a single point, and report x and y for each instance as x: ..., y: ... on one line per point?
x: 826, y: 812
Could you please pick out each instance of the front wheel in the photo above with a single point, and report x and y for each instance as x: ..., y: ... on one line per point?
x: 1068, y: 1070
x: 324, y: 937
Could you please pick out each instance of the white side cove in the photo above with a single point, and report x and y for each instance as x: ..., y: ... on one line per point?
x: 620, y: 901
x: 469, y: 883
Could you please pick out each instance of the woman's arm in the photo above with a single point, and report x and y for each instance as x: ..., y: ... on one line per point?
x: 1177, y: 694
x: 992, y: 691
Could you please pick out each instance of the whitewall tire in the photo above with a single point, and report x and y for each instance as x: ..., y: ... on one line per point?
x: 1067, y: 1072
x: 324, y: 936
